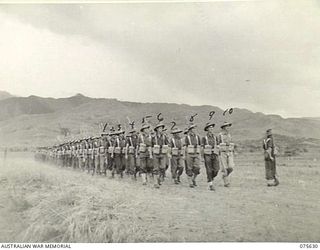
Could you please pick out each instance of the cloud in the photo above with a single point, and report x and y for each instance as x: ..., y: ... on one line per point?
x: 197, y: 53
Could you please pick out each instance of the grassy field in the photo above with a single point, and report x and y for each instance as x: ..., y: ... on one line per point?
x: 44, y: 203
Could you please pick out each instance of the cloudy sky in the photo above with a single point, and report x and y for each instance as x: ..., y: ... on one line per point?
x: 263, y: 56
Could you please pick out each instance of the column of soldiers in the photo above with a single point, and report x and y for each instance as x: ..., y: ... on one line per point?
x: 149, y: 152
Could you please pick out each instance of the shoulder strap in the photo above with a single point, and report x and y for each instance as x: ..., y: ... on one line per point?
x: 156, y: 138
x: 174, y: 143
x: 221, y: 138
x: 207, y: 140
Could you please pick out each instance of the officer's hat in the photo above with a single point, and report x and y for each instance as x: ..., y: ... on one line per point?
x: 226, y: 124
x: 160, y: 124
x: 120, y: 131
x: 176, y: 131
x: 144, y: 126
x: 112, y: 131
x: 209, y: 124
x: 191, y: 126
x: 133, y: 131
x: 104, y: 134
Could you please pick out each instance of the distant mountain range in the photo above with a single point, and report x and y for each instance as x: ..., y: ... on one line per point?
x: 35, y: 120
x: 5, y: 95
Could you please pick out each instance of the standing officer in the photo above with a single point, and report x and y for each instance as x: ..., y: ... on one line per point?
x: 226, y: 151
x: 177, y: 155
x: 160, y: 150
x: 192, y: 142
x: 270, y: 159
x: 211, y: 158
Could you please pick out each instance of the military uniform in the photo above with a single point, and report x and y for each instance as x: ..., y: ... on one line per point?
x: 103, y: 154
x: 131, y: 147
x: 96, y: 146
x: 177, y: 156
x: 81, y: 156
x: 119, y: 145
x: 74, y: 161
x: 270, y: 160
x: 86, y: 156
x: 211, y: 158
x: 226, y: 153
x: 160, y: 150
x: 193, y: 144
x: 90, y: 157
x: 110, y: 156
x: 145, y: 155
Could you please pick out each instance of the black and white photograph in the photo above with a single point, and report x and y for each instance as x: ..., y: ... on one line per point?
x: 159, y: 122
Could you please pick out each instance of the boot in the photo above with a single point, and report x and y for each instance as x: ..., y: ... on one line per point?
x: 144, y: 178
x: 276, y: 181
x: 112, y: 174
x: 210, y: 186
x: 226, y: 181
x: 160, y: 179
x: 190, y: 182
x: 229, y: 171
x: 157, y: 181
x: 270, y: 183
x: 194, y: 180
x: 178, y: 179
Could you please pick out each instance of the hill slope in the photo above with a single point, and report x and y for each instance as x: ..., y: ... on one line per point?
x: 39, y: 120
x: 5, y: 95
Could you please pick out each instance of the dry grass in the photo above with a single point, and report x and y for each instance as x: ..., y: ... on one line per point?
x: 41, y: 203
x: 64, y: 208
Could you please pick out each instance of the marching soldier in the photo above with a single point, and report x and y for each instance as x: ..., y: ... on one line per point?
x: 86, y: 155
x: 65, y: 155
x: 211, y: 157
x: 145, y: 152
x: 226, y: 152
x: 96, y: 154
x: 90, y: 156
x: 60, y: 156
x: 74, y: 148
x: 270, y: 159
x: 119, y: 145
x: 110, y: 154
x: 131, y: 147
x: 103, y: 153
x: 160, y: 150
x: 69, y: 155
x: 81, y: 154
x: 177, y: 156
x: 193, y: 144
